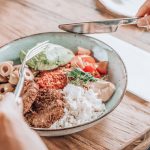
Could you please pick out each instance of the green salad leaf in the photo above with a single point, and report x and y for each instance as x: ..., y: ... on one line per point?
x: 79, y: 77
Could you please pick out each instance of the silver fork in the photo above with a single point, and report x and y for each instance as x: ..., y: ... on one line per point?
x: 30, y: 54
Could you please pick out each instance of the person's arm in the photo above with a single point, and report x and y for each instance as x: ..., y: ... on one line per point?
x: 144, y: 12
x: 15, y: 134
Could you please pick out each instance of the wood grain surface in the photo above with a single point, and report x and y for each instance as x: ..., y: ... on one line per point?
x: 122, y: 129
x: 128, y: 126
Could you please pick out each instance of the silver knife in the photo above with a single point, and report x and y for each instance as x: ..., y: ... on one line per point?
x: 104, y: 26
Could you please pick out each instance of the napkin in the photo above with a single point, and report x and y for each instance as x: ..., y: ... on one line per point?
x: 137, y: 62
x: 123, y: 7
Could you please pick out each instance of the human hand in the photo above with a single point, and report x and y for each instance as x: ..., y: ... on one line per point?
x: 144, y: 12
x: 14, y: 132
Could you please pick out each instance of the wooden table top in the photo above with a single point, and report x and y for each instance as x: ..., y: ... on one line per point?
x: 128, y: 126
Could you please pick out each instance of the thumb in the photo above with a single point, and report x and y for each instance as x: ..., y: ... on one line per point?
x: 144, y: 22
x: 9, y: 105
x: 8, y: 100
x: 144, y: 9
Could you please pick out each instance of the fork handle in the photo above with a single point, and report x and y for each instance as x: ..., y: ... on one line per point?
x: 129, y: 20
x: 19, y: 87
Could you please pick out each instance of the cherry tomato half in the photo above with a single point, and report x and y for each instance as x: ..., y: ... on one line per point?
x: 89, y: 69
x: 102, y: 67
x: 83, y: 51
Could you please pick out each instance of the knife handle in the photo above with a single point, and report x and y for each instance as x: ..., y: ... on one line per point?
x: 129, y: 20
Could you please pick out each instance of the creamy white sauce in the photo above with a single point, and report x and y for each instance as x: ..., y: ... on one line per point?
x: 104, y: 89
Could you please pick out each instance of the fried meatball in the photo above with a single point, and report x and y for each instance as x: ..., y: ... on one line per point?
x: 46, y: 109
x: 29, y: 94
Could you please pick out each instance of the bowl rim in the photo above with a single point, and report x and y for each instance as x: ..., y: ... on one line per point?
x: 89, y: 37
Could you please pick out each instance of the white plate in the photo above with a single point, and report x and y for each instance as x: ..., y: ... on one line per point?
x: 127, y: 8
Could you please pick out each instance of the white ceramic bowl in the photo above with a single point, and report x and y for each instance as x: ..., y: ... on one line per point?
x: 117, y: 70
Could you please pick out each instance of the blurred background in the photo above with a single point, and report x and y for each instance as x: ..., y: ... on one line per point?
x: 25, y: 17
x: 127, y: 8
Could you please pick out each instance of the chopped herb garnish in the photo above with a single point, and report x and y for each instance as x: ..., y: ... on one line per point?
x: 79, y: 77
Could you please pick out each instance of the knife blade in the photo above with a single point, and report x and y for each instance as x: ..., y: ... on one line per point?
x: 104, y: 26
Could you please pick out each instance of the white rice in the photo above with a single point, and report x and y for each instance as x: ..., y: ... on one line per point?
x: 83, y: 106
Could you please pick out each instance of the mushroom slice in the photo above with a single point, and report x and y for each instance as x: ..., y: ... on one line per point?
x: 5, y: 69
x: 17, y: 67
x: 14, y: 77
x: 3, y: 79
x: 28, y: 75
x: 4, y: 88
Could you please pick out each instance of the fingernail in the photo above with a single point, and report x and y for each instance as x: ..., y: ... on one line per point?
x: 142, y: 22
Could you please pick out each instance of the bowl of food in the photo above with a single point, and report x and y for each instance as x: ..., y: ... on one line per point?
x: 70, y: 86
